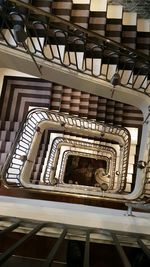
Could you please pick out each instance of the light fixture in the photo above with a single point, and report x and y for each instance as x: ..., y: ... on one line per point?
x: 141, y: 164
x: 19, y: 33
x: 38, y: 130
x: 104, y: 187
x: 115, y: 80
x: 20, y: 37
x: 23, y: 158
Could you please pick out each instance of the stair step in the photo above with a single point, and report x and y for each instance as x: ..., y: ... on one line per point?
x: 62, y: 8
x: 66, y: 98
x: 75, y: 102
x: 84, y: 104
x: 80, y: 14
x: 34, y: 178
x: 42, y: 4
x: 40, y: 159
x: 5, y: 147
x: 9, y: 125
x: 3, y: 157
x: 147, y: 187
x: 128, y: 188
x: 97, y: 16
x: 37, y: 168
x: 6, y: 135
x: 55, y: 103
x: 93, y: 107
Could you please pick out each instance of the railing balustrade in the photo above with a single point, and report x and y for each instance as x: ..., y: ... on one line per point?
x: 19, y: 165
x: 146, y: 190
x: 19, y: 153
x: 96, y: 151
x: 109, y: 181
x: 42, y: 35
x: 60, y: 231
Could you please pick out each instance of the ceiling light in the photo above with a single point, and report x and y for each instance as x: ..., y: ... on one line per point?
x: 19, y: 33
x: 115, y: 80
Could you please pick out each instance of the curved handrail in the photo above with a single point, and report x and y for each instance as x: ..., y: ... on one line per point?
x: 67, y: 23
x: 37, y: 119
x: 35, y: 123
x: 21, y: 146
x: 86, y: 154
x: 13, y: 147
x: 60, y: 141
x: 146, y: 190
x: 49, y: 31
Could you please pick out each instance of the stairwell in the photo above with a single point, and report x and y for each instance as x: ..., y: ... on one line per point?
x: 56, y: 97
x: 76, y: 73
x: 108, y: 20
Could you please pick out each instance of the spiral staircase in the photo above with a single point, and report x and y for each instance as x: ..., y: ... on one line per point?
x: 89, y: 102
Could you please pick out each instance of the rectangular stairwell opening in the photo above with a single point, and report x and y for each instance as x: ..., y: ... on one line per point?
x: 83, y: 170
